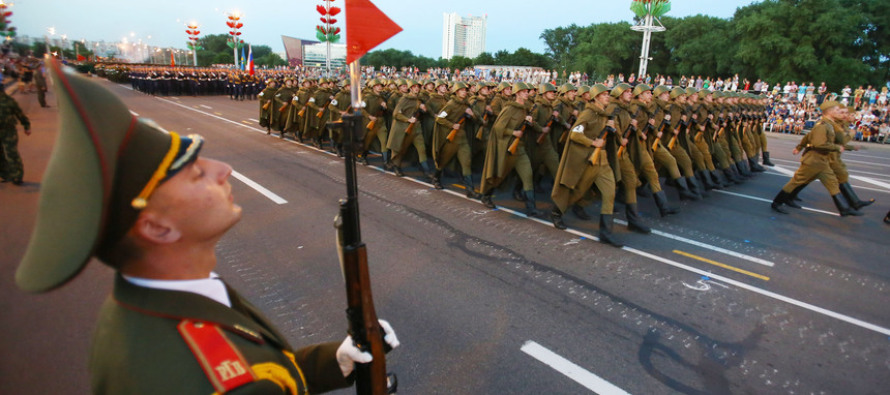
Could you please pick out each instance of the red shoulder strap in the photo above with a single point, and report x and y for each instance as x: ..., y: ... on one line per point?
x: 222, y: 362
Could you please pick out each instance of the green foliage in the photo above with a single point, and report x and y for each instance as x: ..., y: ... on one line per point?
x: 399, y: 59
x: 459, y: 62
x: 270, y: 59
x: 837, y: 41
x: 484, y: 58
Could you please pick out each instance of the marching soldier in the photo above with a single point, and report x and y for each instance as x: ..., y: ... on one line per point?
x: 548, y: 119
x: 314, y: 112
x: 267, y: 97
x: 296, y: 117
x: 434, y: 103
x: 452, y: 136
x: 340, y: 106
x: 484, y: 115
x: 816, y: 162
x: 506, y: 150
x: 404, y: 132
x: 283, y: 105
x: 375, y: 106
x: 644, y: 108
x: 589, y: 159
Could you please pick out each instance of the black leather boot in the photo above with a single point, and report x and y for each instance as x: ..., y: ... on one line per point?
x: 887, y: 218
x: 696, y: 188
x: 850, y: 194
x: 530, y: 209
x: 556, y: 218
x: 427, y: 170
x: 437, y: 179
x: 633, y: 220
x: 580, y: 212
x: 843, y: 207
x: 661, y: 202
x: 706, y: 180
x: 487, y: 201
x: 605, y: 234
x: 387, y: 160
x: 752, y: 162
x: 731, y: 176
x: 468, y: 182
x: 644, y: 190
x: 766, y: 159
x: 685, y: 193
x: 779, y: 200
x: 396, y: 169
x: 793, y: 195
x: 518, y: 195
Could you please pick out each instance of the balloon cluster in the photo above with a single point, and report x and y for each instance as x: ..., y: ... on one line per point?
x: 5, y: 29
x: 234, y: 24
x: 193, y: 32
x: 327, y: 32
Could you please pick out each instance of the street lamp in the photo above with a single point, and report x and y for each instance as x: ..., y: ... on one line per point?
x: 234, y: 24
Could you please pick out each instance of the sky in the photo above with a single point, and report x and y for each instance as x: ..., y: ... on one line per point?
x: 511, y: 24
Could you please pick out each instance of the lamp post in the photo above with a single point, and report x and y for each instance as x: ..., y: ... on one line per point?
x: 648, y: 11
x: 193, y: 32
x: 328, y: 33
x: 234, y: 23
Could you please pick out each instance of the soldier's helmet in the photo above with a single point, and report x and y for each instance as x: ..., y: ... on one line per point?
x: 567, y: 88
x: 691, y: 91
x: 677, y: 92
x: 547, y: 87
x: 411, y: 82
x: 704, y: 93
x: 619, y: 89
x: 597, y: 89
x: 503, y: 85
x: 520, y: 86
x: 640, y: 88
x: 583, y: 89
x: 659, y: 90
x: 458, y: 86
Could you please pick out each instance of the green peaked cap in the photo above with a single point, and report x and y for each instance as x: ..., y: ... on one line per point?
x: 103, y: 168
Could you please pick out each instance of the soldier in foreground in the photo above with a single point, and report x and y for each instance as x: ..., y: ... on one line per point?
x: 154, y: 213
x: 11, y: 167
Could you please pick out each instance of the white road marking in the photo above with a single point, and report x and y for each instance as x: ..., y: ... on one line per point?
x: 871, y: 181
x: 571, y: 370
x: 134, y: 113
x: 206, y: 106
x: 259, y: 188
x: 815, y: 210
x: 255, y: 120
x: 866, y: 163
x: 766, y: 293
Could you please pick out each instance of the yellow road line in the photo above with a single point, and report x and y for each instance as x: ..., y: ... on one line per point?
x: 725, y: 266
x: 217, y: 113
x: 247, y: 122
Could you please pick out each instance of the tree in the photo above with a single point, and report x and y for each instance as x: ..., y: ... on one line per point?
x: 560, y: 42
x: 459, y: 62
x: 700, y: 45
x: 484, y: 58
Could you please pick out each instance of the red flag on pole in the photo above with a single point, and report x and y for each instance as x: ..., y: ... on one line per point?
x: 366, y: 27
x: 81, y: 58
x: 172, y: 60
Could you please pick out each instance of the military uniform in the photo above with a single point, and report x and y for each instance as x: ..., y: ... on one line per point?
x: 11, y: 167
x: 267, y: 96
x: 448, y: 141
x: 583, y: 165
x: 404, y: 134
x: 154, y: 341
x: 374, y: 105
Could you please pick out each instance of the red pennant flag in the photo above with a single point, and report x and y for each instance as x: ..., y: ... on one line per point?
x: 366, y: 28
x: 81, y: 58
x: 172, y: 60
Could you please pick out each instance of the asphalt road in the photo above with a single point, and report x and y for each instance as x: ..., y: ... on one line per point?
x: 725, y: 297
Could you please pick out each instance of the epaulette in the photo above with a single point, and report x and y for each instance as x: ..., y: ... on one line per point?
x: 223, y: 364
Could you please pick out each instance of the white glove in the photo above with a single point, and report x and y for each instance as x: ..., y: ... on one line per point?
x: 348, y: 354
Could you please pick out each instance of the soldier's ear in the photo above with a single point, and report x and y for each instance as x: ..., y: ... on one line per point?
x: 155, y: 229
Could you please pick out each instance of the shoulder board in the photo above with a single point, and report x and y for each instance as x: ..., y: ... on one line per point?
x: 223, y: 364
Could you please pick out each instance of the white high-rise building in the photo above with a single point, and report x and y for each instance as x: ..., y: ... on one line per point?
x: 463, y: 36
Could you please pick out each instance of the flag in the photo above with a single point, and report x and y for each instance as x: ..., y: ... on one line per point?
x: 366, y: 28
x: 243, y: 58
x: 81, y: 58
x: 250, y: 59
x: 172, y: 60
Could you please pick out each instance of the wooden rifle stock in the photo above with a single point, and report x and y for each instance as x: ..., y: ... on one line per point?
x: 267, y: 105
x: 482, y: 127
x: 657, y: 139
x: 673, y: 142
x: 321, y: 112
x: 514, y: 144
x: 565, y: 133
x: 284, y: 107
x: 543, y: 135
x: 453, y: 133
x: 594, y: 158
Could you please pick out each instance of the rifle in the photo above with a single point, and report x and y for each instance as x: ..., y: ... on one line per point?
x: 482, y: 126
x: 664, y: 124
x: 410, y: 128
x: 287, y: 103
x: 608, y: 129
x: 544, y: 135
x: 565, y: 133
x: 266, y: 106
x: 374, y: 122
x: 514, y: 144
x: 626, y: 134
x: 324, y: 107
x: 453, y: 133
x: 673, y: 142
x: 364, y: 328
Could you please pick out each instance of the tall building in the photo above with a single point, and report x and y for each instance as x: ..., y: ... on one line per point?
x: 463, y: 36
